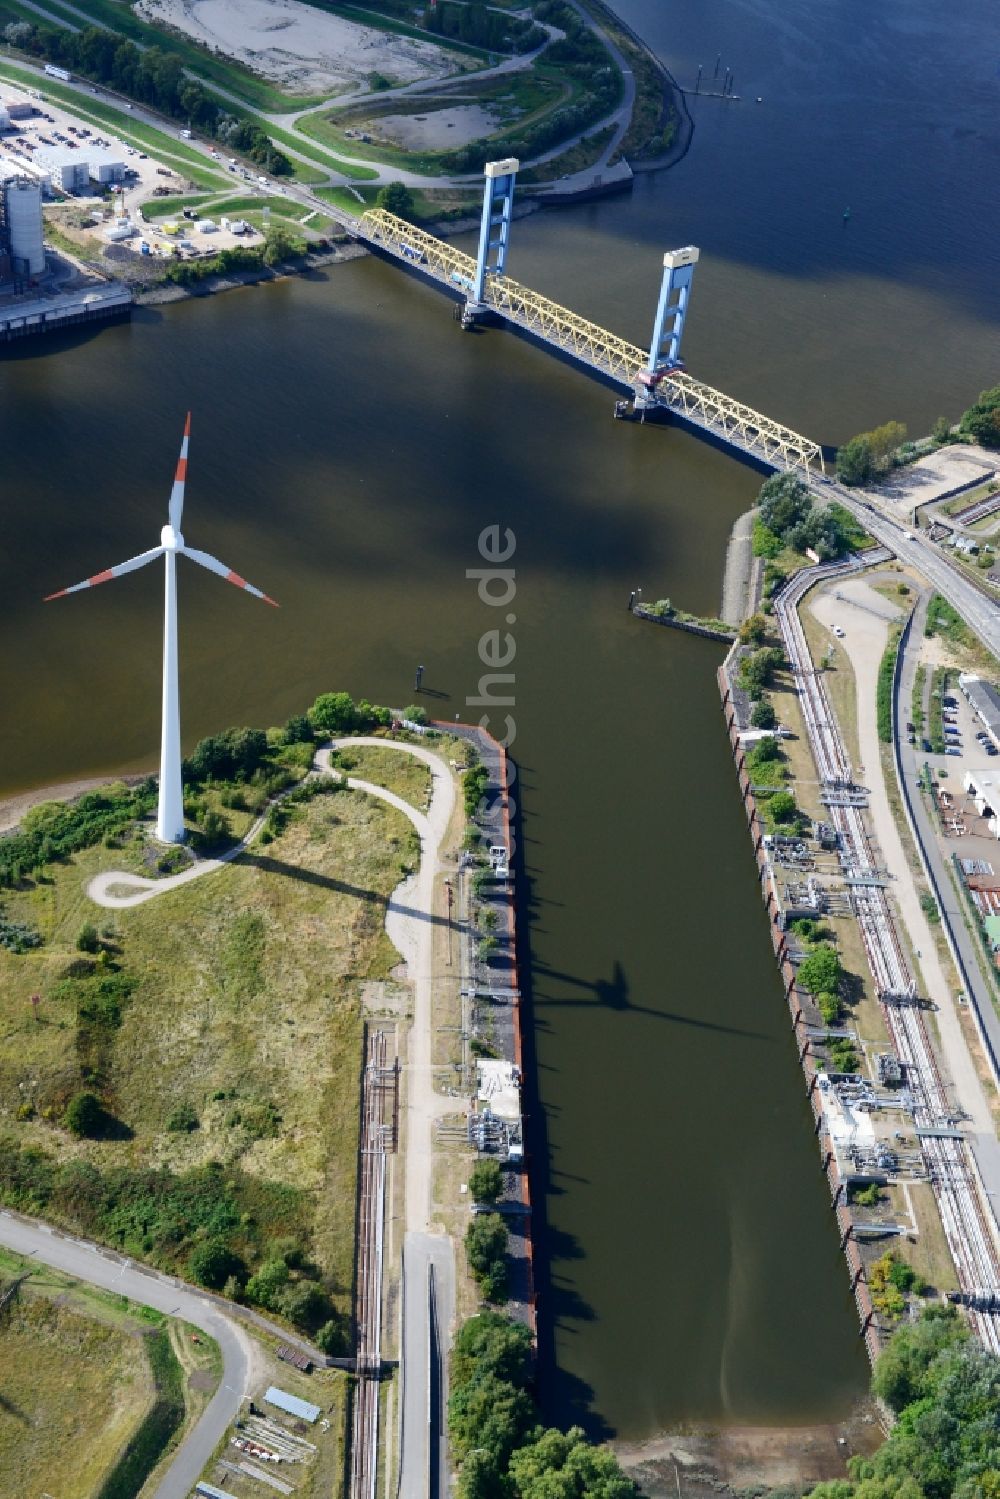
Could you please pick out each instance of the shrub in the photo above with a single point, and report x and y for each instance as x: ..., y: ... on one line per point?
x: 828, y: 1006
x: 753, y: 630
x: 415, y: 714
x: 85, y: 1116
x: 265, y: 1288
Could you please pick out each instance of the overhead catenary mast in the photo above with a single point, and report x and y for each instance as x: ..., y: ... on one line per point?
x: 170, y: 810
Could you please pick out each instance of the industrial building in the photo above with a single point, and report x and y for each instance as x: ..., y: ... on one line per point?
x: 984, y: 700
x: 71, y: 171
x: 984, y: 788
x: 22, y: 250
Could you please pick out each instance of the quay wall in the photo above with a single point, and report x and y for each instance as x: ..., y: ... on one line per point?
x: 503, y: 810
x: 838, y: 1188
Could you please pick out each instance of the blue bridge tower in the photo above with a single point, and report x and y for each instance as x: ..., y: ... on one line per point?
x: 494, y: 233
x: 668, y: 329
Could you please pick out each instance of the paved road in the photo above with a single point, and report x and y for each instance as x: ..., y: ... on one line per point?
x: 423, y: 1468
x: 977, y: 988
x: 86, y: 1262
x: 913, y: 548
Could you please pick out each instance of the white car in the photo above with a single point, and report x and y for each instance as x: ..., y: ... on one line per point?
x: 839, y: 632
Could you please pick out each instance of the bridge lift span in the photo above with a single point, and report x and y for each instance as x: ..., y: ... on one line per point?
x: 655, y: 379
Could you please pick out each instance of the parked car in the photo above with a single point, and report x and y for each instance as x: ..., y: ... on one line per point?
x: 951, y: 750
x: 991, y: 749
x: 925, y: 745
x: 950, y: 702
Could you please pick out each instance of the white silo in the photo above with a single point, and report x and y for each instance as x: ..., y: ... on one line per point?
x: 24, y: 225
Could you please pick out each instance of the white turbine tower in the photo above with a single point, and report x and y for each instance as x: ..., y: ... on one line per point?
x: 170, y: 814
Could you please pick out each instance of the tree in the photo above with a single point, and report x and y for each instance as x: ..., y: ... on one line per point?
x: 821, y: 972
x: 493, y: 1344
x: 298, y: 730
x: 85, y: 1116
x: 782, y: 808
x: 564, y: 1465
x: 281, y: 244
x: 753, y: 630
x: 211, y: 1264
x: 486, y: 1180
x: 396, y: 198
x: 333, y: 713
x: 307, y: 1304
x: 486, y: 1251
x: 902, y: 1372
x: 941, y: 431
x: 763, y: 715
x: 87, y: 938
x: 855, y: 461
x: 492, y: 1415
x: 264, y: 1288
x: 784, y: 500
x: 982, y: 420
x: 766, y: 750
x: 415, y: 714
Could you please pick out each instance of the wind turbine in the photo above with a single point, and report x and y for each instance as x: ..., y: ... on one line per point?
x: 170, y: 812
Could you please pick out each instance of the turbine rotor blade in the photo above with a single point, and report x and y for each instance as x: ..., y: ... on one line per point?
x: 204, y: 559
x: 176, y: 509
x: 109, y: 573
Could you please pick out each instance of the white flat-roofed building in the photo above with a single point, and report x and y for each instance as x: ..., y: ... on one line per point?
x: 68, y: 170
x: 105, y: 166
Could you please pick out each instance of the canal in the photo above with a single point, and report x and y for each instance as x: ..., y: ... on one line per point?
x: 350, y: 444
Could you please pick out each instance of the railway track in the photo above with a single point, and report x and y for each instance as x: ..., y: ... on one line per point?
x: 376, y: 1137
x: 947, y: 1160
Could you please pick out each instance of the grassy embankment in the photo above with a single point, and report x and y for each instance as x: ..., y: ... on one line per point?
x: 221, y: 1025
x: 137, y: 1380
x: 210, y: 67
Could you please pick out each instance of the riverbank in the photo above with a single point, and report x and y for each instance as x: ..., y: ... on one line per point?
x: 170, y: 291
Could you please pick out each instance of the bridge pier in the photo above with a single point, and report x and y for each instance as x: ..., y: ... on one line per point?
x: 494, y: 235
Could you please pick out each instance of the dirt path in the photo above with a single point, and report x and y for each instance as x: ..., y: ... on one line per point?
x: 864, y: 615
x: 410, y: 924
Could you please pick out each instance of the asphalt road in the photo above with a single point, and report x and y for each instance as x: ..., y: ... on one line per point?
x: 913, y: 548
x: 112, y: 1273
x: 960, y: 940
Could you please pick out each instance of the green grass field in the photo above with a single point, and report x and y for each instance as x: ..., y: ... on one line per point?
x: 407, y: 776
x: 246, y: 1009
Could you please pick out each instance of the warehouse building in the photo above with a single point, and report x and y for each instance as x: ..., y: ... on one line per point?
x: 984, y: 700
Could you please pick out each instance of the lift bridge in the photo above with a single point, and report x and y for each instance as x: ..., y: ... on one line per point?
x: 655, y: 380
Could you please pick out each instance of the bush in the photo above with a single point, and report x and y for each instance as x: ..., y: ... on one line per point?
x: 415, y: 714
x: 213, y: 1263
x: 182, y: 1119
x: 982, y: 421
x: 883, y: 690
x: 829, y: 1007
x: 753, y: 630
x: 54, y: 830
x: 486, y: 1180
x: 87, y: 939
x: 84, y: 1116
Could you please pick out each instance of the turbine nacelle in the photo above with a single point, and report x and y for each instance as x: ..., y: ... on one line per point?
x: 171, y: 540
